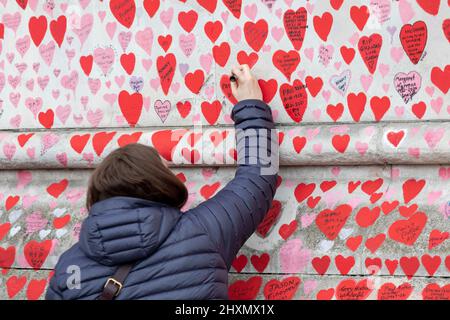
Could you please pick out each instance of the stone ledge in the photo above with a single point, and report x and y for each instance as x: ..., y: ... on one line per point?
x: 356, y: 144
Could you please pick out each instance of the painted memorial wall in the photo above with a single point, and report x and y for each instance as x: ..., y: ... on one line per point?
x: 359, y: 93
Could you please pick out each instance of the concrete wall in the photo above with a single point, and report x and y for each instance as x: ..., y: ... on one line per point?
x: 363, y: 206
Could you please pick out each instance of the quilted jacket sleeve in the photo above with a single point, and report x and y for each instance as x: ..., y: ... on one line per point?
x: 232, y: 215
x: 52, y: 290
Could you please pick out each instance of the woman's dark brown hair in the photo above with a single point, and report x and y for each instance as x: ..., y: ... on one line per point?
x: 136, y: 170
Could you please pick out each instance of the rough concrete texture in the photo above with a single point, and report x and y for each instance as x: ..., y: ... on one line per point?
x: 359, y: 93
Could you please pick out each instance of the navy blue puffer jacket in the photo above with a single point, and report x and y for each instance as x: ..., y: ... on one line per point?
x: 177, y: 255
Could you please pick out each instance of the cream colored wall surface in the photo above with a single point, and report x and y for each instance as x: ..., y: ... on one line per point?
x: 359, y: 93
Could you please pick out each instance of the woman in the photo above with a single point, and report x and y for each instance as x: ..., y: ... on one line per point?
x: 137, y: 244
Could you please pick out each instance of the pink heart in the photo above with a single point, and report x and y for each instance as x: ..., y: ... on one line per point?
x: 293, y: 257
x: 166, y: 17
x: 162, y: 109
x: 111, y: 29
x: 406, y: 11
x: 104, y: 58
x: 95, y: 117
x: 235, y: 34
x: 277, y: 33
x: 251, y: 11
x: 82, y: 27
x: 144, y: 39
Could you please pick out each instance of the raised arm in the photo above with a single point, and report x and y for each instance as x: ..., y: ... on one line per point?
x: 232, y: 215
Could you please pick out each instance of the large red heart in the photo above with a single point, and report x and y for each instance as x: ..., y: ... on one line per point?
x: 340, y: 142
x: 330, y: 222
x: 211, y: 111
x: 36, y: 252
x: 367, y: 217
x: 131, y: 106
x: 303, y: 191
x: 369, y: 48
x: 441, y: 78
x: 128, y: 62
x: 295, y: 99
x: 78, y: 142
x: 14, y: 285
x: 322, y: 25
x: 435, y: 239
x: 260, y: 262
x: 352, y: 290
x: 295, y: 23
x: 166, y: 69
x: 314, y: 85
x: 126, y: 139
x: 359, y: 16
x: 321, y: 264
x: 22, y: 3
x: 414, y: 39
x: 239, y: 263
x: 336, y: 4
x: 281, y: 290
x: 245, y: 290
x: 434, y: 292
x: 165, y: 141
x: 344, y: 264
x: 213, y: 30
x: 299, y: 143
x: 209, y: 5
x: 11, y: 201
x: 194, y: 80
x: 124, y: 11
x: 269, y: 89
x: 375, y: 242
x: 286, y: 62
x: 348, y: 54
x: 225, y: 85
x: 380, y: 106
x: 390, y: 291
x: 411, y: 188
x: 7, y: 256
x: 356, y: 105
x: 256, y: 33
x: 208, y: 190
x: 38, y: 28
x: 36, y: 288
x: 4, y: 229
x: 101, y: 140
x: 410, y: 265
x: 58, y: 29
x: 151, y: 6
x: 445, y: 28
x: 221, y: 53
x: 184, y: 108
x: 395, y: 137
x: 430, y: 6
x: 270, y: 219
x: 286, y: 230
x: 55, y: 189
x: 188, y: 20
x: 335, y: 111
x: 407, y: 231
x: 234, y: 6
x: 86, y: 63
x: 46, y: 118
x: 431, y: 263
x: 250, y: 59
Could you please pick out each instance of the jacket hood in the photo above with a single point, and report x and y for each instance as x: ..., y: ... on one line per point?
x: 120, y: 230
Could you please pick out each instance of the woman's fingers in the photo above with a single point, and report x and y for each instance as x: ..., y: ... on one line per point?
x: 238, y: 71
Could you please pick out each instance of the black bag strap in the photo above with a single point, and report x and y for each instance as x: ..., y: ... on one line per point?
x: 114, y: 284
